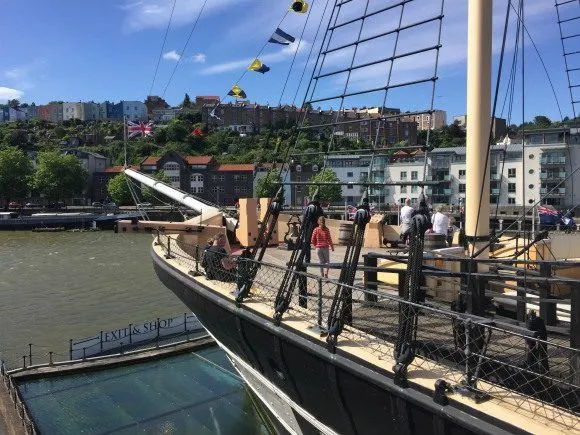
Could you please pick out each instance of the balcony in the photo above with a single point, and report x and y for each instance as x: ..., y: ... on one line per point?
x: 495, y: 176
x: 495, y: 192
x: 543, y: 190
x: 553, y: 175
x: 447, y: 177
x: 446, y: 191
x: 553, y: 160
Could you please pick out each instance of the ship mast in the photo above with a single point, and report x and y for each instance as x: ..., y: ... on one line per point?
x: 478, y: 125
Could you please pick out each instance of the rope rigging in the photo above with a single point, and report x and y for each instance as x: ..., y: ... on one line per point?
x: 162, y: 47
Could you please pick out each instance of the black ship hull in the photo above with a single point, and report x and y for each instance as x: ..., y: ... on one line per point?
x: 331, y: 393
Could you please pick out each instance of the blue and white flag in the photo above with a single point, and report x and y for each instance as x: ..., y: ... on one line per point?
x: 281, y: 37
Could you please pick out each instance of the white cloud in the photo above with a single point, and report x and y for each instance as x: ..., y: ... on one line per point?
x: 9, y: 94
x: 199, y: 58
x: 171, y: 55
x: 25, y: 76
x: 155, y: 13
x: 279, y: 56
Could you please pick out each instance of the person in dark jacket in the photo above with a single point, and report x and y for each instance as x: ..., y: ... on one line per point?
x: 220, y: 265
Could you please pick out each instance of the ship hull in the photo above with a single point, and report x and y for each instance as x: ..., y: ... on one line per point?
x: 311, y: 389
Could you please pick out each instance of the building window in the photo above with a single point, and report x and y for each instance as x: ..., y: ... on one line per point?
x: 531, y: 171
x: 222, y: 178
x: 349, y: 174
x: 511, y: 187
x: 511, y: 201
x: 462, y: 188
x: 403, y: 175
x: 414, y: 175
x: 413, y: 201
x: 236, y: 177
x: 512, y: 173
x: 531, y: 201
x: 171, y: 166
x: 174, y: 179
x: 236, y: 189
x: 531, y: 156
x: 493, y: 200
x: 349, y: 186
x: 414, y: 189
x: 195, y: 178
x: 350, y: 199
x: 462, y: 174
x: 531, y: 186
x: 403, y: 189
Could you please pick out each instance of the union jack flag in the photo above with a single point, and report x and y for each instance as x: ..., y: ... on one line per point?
x: 547, y: 211
x: 139, y: 128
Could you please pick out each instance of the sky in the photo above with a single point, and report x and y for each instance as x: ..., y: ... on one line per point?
x: 97, y: 50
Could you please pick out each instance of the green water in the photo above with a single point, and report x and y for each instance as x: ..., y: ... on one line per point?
x: 196, y: 393
x: 57, y: 286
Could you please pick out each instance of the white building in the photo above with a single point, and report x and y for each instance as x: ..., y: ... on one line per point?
x: 72, y: 111
x: 426, y: 121
x: 134, y: 110
x: 164, y: 115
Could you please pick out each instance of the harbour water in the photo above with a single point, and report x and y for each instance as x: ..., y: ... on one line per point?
x: 57, y: 286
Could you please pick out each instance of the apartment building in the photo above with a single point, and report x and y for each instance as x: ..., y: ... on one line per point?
x: 426, y: 121
x: 204, y: 177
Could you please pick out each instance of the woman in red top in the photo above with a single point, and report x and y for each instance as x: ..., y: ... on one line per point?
x: 322, y: 241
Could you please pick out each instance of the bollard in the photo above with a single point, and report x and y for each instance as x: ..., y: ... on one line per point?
x: 121, y: 345
x: 168, y: 254
x: 29, y: 354
x: 370, y: 278
x: 50, y: 358
x: 84, y: 353
x: 197, y: 258
x: 70, y: 349
x: 23, y: 361
x: 130, y: 334
x: 101, y: 341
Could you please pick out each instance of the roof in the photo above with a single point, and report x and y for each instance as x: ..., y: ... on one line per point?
x: 208, y: 97
x: 151, y: 160
x: 236, y: 167
x: 119, y: 169
x: 198, y: 160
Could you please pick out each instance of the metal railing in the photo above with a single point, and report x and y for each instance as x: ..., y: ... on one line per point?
x: 19, y: 406
x: 516, y: 365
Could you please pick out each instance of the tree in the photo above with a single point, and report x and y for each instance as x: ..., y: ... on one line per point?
x: 15, y: 174
x: 149, y: 195
x: 542, y: 121
x: 176, y: 131
x: 268, y: 185
x: 186, y: 104
x: 118, y: 190
x: 326, y: 193
x: 59, y: 176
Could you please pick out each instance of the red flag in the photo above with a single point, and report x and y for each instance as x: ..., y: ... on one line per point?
x: 197, y: 132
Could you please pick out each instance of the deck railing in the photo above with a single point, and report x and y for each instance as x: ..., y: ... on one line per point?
x: 472, y: 354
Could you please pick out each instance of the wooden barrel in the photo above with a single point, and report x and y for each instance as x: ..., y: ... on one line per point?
x: 344, y: 234
x: 435, y: 241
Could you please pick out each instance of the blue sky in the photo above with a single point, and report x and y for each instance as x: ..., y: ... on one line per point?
x: 107, y: 50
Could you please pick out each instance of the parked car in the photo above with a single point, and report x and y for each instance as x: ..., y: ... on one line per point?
x: 97, y: 204
x: 32, y: 205
x: 14, y: 204
x: 144, y: 204
x: 110, y: 206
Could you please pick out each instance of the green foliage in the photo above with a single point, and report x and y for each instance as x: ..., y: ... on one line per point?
x: 118, y: 190
x: 268, y: 185
x: 177, y: 131
x: 328, y: 193
x: 186, y: 102
x: 15, y: 174
x: 542, y: 121
x: 59, y: 176
x: 149, y: 195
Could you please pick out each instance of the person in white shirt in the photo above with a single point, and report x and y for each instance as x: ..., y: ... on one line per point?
x: 406, y: 214
x: 440, y: 221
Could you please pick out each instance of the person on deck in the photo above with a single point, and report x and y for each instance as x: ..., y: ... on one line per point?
x: 322, y: 241
x: 220, y: 265
x: 440, y: 221
x: 406, y: 213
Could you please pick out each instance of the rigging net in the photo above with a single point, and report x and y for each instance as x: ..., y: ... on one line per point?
x: 364, y: 77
